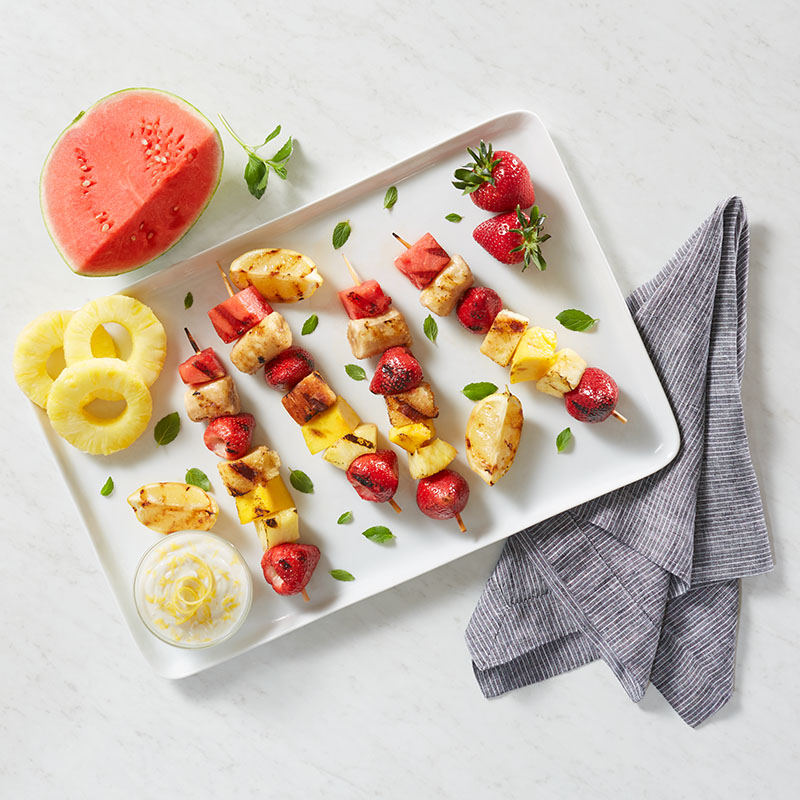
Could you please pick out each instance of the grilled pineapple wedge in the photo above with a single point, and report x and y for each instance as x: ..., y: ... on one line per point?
x: 282, y: 276
x: 493, y: 432
x: 167, y: 507
x: 278, y: 528
x: 343, y: 452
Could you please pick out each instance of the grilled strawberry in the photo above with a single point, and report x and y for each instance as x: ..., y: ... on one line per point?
x: 288, y: 368
x: 374, y: 475
x: 397, y: 371
x: 239, y: 313
x: 477, y: 309
x: 365, y: 300
x: 202, y: 367
x: 288, y: 567
x: 594, y: 398
x: 443, y: 495
x: 423, y: 261
x: 230, y: 437
x: 514, y: 237
x: 495, y: 181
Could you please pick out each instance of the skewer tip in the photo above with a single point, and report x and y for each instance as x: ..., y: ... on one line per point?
x: 305, y: 595
x: 353, y: 273
x: 461, y: 524
x: 401, y: 240
x: 395, y: 506
x: 619, y: 416
x: 225, y: 278
x: 192, y: 342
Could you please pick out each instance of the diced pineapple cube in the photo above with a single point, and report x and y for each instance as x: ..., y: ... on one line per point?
x: 504, y: 336
x: 412, y: 437
x: 278, y: 528
x: 534, y: 355
x: 264, y: 501
x: 363, y: 440
x: 430, y: 459
x: 329, y: 426
x: 564, y: 375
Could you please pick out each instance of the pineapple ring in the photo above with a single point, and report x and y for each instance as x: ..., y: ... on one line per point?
x: 148, y: 339
x: 37, y: 342
x: 78, y: 385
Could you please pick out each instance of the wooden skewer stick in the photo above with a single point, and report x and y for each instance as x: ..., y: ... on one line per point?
x: 395, y: 506
x: 192, y: 342
x: 619, y: 416
x: 225, y: 278
x: 305, y: 595
x: 401, y: 240
x: 461, y: 524
x: 353, y: 273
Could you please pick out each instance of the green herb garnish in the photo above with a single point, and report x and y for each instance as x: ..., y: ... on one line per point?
x: 355, y: 372
x: 198, y: 478
x: 108, y: 487
x: 563, y: 439
x: 341, y: 575
x: 301, y: 481
x: 310, y: 325
x: 378, y: 533
x: 454, y: 217
x: 477, y: 391
x: 345, y: 518
x: 576, y: 320
x: 430, y: 328
x: 390, y: 198
x: 341, y: 233
x: 167, y: 428
x: 188, y: 300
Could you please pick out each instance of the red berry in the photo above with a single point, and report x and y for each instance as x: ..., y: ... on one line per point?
x: 288, y: 368
x: 499, y: 237
x: 443, y: 495
x: 230, y: 437
x: 594, y: 398
x: 496, y: 180
x: 288, y: 567
x: 202, y: 367
x: 477, y: 309
x: 397, y: 371
x: 375, y: 476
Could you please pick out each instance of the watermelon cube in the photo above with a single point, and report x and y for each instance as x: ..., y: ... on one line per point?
x: 239, y: 313
x: 423, y: 261
x: 365, y: 300
x: 202, y: 367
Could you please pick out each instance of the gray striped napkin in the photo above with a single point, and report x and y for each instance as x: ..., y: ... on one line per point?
x: 647, y: 577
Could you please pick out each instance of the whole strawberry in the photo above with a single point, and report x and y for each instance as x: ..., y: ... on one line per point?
x: 496, y: 181
x: 397, y: 371
x: 288, y: 368
x: 594, y: 398
x: 443, y: 495
x: 477, y: 309
x: 514, y: 237
x: 374, y: 476
x: 288, y: 567
x: 230, y: 437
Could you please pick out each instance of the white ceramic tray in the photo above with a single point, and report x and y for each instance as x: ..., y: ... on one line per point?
x: 541, y: 482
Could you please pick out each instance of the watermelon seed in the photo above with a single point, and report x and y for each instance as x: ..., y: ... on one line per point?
x: 144, y: 142
x: 174, y: 208
x: 141, y: 226
x: 133, y: 237
x: 86, y: 183
x: 157, y: 147
x: 150, y: 235
x: 105, y: 227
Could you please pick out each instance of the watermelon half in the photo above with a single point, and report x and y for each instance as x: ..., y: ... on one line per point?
x: 127, y: 179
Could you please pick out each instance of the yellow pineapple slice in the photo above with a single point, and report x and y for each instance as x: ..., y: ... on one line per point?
x: 78, y: 385
x: 412, y: 437
x: 38, y: 353
x: 430, y: 459
x: 148, y: 339
x: 534, y: 355
x: 329, y: 426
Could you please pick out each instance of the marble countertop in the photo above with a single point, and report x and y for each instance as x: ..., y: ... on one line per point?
x: 658, y: 113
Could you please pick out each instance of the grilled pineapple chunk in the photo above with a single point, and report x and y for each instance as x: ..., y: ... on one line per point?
x: 372, y: 335
x: 534, y: 355
x: 503, y: 337
x: 430, y: 459
x: 564, y: 375
x: 412, y: 437
x: 281, y: 275
x: 278, y: 528
x: 363, y: 440
x: 445, y: 291
x: 329, y: 426
x: 264, y: 500
x: 493, y: 432
x: 167, y: 507
x: 244, y: 474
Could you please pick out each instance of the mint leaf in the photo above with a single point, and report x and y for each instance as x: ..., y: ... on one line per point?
x: 108, y: 487
x: 563, y: 439
x: 345, y: 518
x: 341, y: 575
x: 310, y: 325
x: 355, y: 372
x: 454, y: 217
x: 301, y: 481
x: 379, y: 533
x: 576, y: 320
x: 341, y: 233
x: 391, y: 197
x: 188, y: 300
x: 196, y: 477
x: 430, y: 328
x: 477, y: 391
x: 256, y: 175
x: 167, y: 428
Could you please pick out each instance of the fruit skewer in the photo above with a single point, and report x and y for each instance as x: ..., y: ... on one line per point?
x: 253, y: 478
x: 589, y: 393
x: 326, y: 420
x: 375, y: 327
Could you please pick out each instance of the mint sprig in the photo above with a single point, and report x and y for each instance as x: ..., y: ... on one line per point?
x: 574, y: 319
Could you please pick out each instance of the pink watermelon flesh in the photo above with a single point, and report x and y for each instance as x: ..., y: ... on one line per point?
x: 128, y: 179
x: 423, y: 261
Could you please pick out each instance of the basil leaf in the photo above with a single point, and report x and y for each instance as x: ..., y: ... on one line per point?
x: 390, y: 198
x: 282, y: 155
x: 379, y: 533
x: 341, y: 233
x: 477, y: 391
x: 454, y: 217
x: 256, y: 175
x: 301, y: 481
x: 345, y: 518
x: 430, y: 328
x: 196, y: 477
x: 355, y: 372
x: 167, y: 428
x: 576, y: 320
x: 108, y: 487
x: 341, y: 575
x: 188, y: 300
x: 563, y: 439
x: 270, y: 137
x: 310, y: 325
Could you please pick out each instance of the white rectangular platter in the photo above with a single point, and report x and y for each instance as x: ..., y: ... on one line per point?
x: 541, y: 482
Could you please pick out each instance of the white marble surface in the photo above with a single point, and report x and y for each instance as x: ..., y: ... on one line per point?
x: 658, y: 114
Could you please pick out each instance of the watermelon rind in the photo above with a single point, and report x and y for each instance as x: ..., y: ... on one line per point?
x: 79, y: 116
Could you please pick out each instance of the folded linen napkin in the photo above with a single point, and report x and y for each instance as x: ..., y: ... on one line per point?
x: 647, y: 577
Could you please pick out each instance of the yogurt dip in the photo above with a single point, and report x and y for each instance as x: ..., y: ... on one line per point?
x: 192, y: 589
